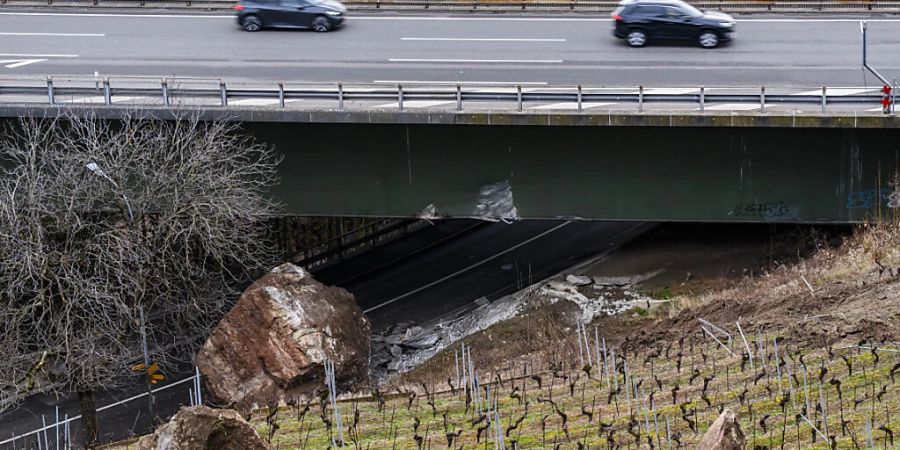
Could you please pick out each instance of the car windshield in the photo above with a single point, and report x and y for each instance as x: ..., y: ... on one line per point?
x: 690, y: 10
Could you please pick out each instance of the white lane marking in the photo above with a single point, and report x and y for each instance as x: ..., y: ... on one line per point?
x: 9, y: 33
x: 464, y: 83
x: 815, y: 20
x: 36, y: 55
x: 570, y: 105
x: 582, y: 19
x: 482, y: 39
x: 13, y: 63
x: 465, y: 269
x: 838, y: 91
x: 415, y: 104
x: 420, y: 18
x: 490, y: 61
x: 138, y: 16
x: 731, y: 107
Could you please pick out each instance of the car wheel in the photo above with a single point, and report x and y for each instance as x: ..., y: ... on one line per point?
x: 252, y: 23
x: 321, y: 24
x: 709, y: 39
x: 636, y: 38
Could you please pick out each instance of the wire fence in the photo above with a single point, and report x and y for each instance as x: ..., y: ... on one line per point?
x: 172, y: 93
x: 120, y: 419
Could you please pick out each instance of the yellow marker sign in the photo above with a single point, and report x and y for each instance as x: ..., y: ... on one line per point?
x: 152, y: 372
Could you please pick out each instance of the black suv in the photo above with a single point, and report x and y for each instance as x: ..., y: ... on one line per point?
x: 640, y: 21
x: 320, y: 15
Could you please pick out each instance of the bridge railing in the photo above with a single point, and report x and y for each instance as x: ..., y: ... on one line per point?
x: 198, y: 92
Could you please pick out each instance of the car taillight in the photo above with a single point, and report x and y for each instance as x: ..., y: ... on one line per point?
x: 616, y: 17
x: 238, y: 7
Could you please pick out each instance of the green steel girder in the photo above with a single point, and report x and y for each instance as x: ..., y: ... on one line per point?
x: 762, y: 174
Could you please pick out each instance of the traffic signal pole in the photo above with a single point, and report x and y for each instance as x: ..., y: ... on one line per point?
x: 887, y: 89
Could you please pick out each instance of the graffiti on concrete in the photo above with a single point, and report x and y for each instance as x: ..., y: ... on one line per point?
x: 871, y: 198
x: 766, y: 210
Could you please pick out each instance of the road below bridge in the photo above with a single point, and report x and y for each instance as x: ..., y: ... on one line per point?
x: 807, y: 50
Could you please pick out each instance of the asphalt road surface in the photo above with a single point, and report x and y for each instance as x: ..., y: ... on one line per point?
x: 418, y: 277
x: 801, y: 50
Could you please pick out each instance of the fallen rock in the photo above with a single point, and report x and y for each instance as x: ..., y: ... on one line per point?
x: 201, y: 428
x: 579, y: 280
x: 724, y: 434
x: 272, y: 345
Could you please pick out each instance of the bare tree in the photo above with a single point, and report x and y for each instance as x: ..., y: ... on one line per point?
x: 100, y: 220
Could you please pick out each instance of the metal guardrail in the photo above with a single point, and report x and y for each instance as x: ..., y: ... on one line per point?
x: 179, y: 93
x: 725, y: 5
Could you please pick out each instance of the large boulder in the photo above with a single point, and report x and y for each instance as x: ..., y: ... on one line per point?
x: 724, y: 434
x: 201, y: 428
x: 273, y: 344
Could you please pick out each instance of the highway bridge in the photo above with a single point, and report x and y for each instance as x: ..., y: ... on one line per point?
x: 521, y: 116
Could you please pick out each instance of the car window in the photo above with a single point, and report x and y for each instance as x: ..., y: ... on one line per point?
x: 690, y: 10
x: 649, y: 11
x: 293, y: 3
x: 674, y: 13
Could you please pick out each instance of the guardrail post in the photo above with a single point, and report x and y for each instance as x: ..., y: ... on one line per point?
x: 165, y: 91
x: 702, y: 98
x: 107, y: 93
x: 341, y: 96
x: 458, y: 97
x: 400, y: 97
x: 519, y: 97
x: 762, y: 99
x: 223, y: 92
x: 281, y: 93
x: 824, y: 98
x: 50, y: 89
x: 640, y: 98
x: 579, y: 98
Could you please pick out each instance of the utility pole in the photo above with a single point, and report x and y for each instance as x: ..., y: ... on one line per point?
x: 152, y: 405
x: 888, y: 90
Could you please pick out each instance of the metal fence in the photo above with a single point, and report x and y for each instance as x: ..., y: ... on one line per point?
x: 168, y: 92
x: 120, y: 419
x: 588, y: 5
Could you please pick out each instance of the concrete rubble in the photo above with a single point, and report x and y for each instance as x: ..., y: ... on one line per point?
x: 273, y: 344
x: 406, y: 345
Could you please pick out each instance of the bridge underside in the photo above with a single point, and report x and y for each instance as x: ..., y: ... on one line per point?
x: 603, y: 173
